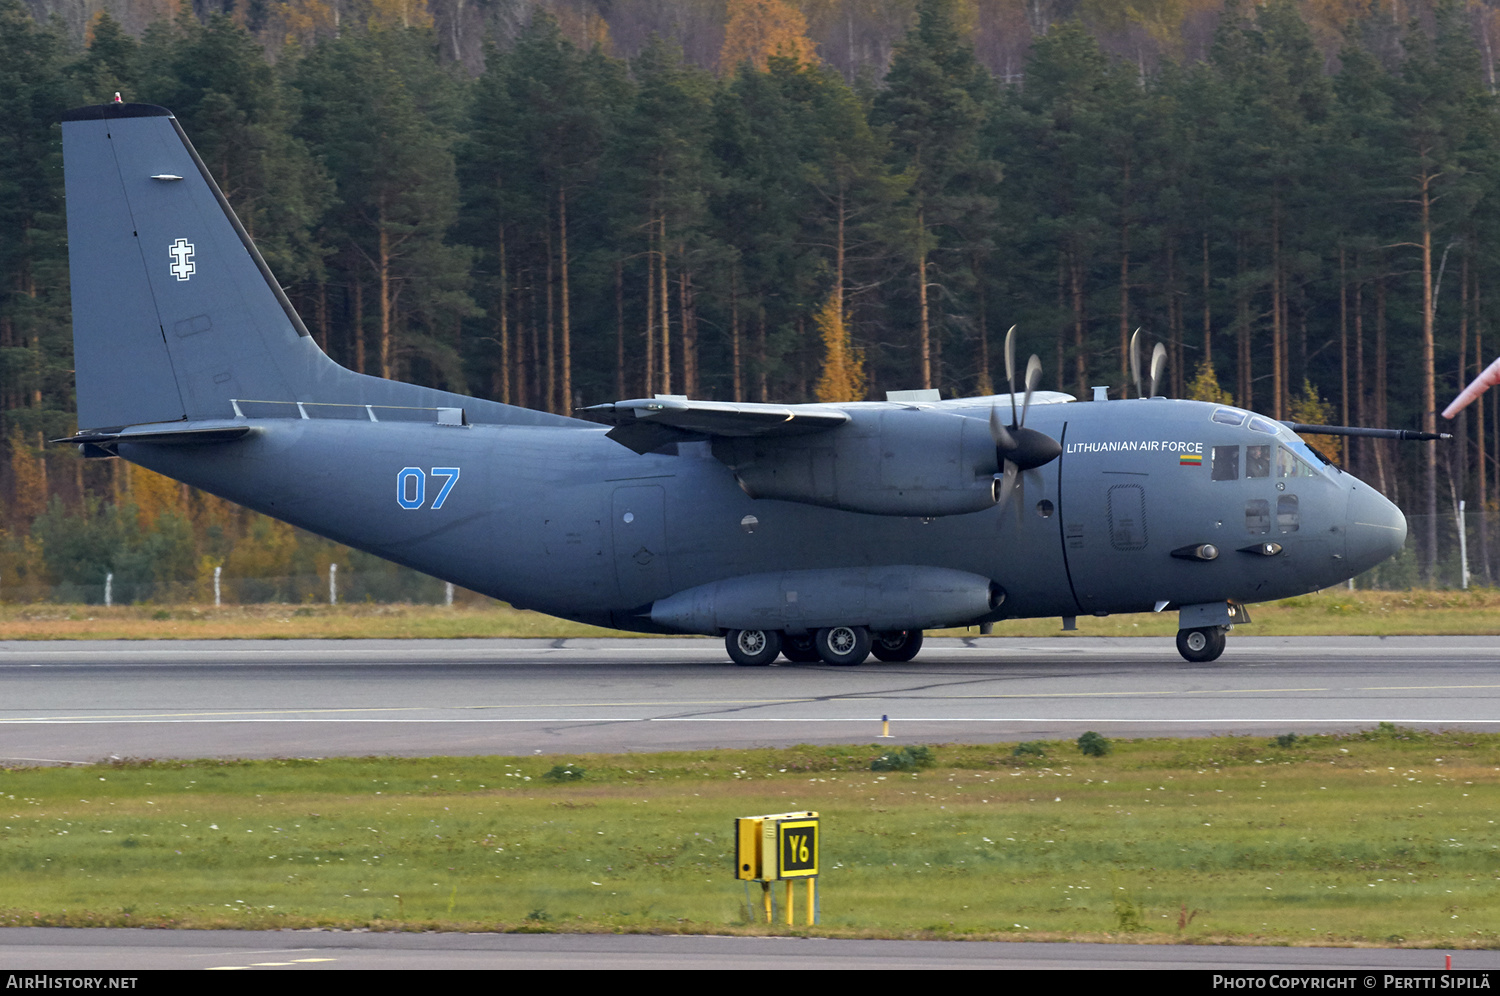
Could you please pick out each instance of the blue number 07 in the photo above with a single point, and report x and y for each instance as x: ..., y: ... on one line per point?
x: 411, y: 486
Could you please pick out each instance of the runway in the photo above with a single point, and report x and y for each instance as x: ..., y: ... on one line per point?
x: 122, y: 951
x: 79, y: 702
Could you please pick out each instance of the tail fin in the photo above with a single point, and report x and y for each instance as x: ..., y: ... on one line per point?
x: 175, y: 313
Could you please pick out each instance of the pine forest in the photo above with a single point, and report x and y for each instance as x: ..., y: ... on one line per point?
x: 558, y: 203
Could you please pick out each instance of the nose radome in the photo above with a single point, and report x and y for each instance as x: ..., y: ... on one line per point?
x: 1377, y: 529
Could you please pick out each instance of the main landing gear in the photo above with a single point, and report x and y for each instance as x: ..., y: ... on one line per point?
x: 840, y: 645
x: 1202, y: 645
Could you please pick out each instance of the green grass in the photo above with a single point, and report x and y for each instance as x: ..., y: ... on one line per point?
x: 1386, y: 837
x: 1332, y: 612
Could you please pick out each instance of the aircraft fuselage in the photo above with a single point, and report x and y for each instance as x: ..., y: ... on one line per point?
x: 564, y: 520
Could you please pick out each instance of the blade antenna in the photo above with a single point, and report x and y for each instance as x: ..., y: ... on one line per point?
x: 1158, y: 364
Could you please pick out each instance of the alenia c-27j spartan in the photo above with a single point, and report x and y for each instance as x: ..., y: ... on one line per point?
x: 821, y: 531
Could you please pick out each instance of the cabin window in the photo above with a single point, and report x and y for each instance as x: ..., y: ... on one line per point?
x: 1257, y: 517
x: 1228, y: 416
x: 1258, y: 461
x: 1287, y: 519
x: 1226, y: 463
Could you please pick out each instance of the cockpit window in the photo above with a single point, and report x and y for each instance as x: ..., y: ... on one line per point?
x: 1306, y: 452
x: 1228, y: 416
x: 1226, y: 463
x: 1287, y: 517
x: 1263, y: 425
x: 1258, y: 461
x: 1289, y: 464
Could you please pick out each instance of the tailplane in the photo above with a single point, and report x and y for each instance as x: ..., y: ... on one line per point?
x: 175, y: 314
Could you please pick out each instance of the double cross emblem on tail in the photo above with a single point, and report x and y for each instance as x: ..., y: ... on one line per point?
x: 183, y: 266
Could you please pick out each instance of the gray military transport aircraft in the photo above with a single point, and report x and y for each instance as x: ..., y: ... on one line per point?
x: 817, y: 531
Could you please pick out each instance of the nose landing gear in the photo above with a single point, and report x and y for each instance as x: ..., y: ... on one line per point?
x: 1202, y: 645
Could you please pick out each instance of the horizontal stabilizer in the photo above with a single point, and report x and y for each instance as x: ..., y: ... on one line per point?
x: 195, y: 436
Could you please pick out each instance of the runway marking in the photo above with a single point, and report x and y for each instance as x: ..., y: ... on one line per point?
x: 594, y: 720
x: 243, y: 715
x: 1419, y: 688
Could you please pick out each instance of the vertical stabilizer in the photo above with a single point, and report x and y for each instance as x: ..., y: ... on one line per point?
x: 175, y: 313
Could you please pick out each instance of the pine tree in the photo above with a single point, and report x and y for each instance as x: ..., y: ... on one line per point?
x: 934, y: 103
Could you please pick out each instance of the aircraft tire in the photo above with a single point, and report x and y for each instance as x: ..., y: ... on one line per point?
x: 753, y: 647
x: 843, y: 645
x: 800, y: 649
x: 1201, y: 645
x: 897, y: 646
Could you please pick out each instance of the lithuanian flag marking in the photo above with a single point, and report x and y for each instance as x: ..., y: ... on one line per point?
x: 1190, y: 460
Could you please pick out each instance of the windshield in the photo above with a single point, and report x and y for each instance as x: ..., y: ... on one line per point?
x: 1296, y: 445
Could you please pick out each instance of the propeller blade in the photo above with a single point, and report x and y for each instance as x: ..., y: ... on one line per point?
x: 1010, y: 370
x: 1033, y: 376
x: 1004, y: 441
x: 1135, y: 360
x: 1158, y: 364
x: 1007, y: 483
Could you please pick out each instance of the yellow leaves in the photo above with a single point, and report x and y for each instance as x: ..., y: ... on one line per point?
x: 28, y: 476
x: 305, y: 21
x: 760, y: 29
x: 265, y: 551
x: 843, y: 377
x: 1309, y: 407
x: 154, y: 495
x: 403, y: 13
x: 1205, y: 386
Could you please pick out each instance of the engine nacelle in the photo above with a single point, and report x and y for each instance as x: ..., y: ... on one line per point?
x: 883, y: 462
x: 881, y: 598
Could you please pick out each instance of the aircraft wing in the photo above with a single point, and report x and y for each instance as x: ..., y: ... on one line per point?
x: 645, y: 424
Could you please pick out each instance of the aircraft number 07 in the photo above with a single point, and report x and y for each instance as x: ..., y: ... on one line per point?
x: 411, y: 486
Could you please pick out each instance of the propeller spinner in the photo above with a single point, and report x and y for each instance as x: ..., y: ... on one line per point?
x: 1017, y: 448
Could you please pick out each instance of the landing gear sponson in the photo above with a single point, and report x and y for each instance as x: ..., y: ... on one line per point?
x: 840, y: 645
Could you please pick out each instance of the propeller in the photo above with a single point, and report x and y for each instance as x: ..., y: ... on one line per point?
x: 1158, y: 364
x: 1017, y: 448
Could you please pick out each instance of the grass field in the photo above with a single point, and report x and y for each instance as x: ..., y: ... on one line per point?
x: 1387, y: 837
x: 1334, y: 612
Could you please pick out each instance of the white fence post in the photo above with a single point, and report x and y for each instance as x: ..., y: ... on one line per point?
x: 448, y: 595
x: 217, y: 572
x: 333, y: 584
x: 1463, y: 546
x: 109, y: 583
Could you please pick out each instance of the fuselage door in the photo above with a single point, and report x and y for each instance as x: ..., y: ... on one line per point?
x: 640, y: 543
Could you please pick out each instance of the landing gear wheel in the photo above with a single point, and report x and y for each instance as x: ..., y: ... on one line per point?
x: 896, y: 646
x: 799, y: 649
x: 1201, y: 645
x: 753, y: 647
x: 845, y: 645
